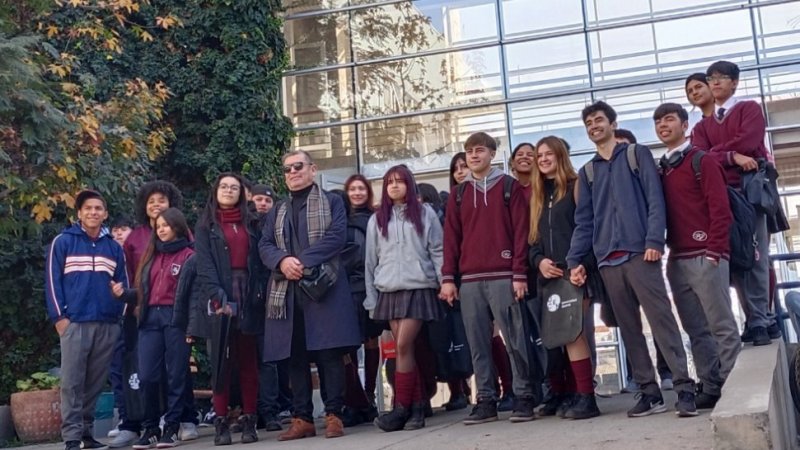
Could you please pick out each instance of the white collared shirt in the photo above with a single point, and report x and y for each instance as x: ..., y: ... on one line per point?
x: 677, y: 149
x: 727, y: 105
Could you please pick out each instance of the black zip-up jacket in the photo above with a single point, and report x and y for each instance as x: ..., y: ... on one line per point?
x: 556, y: 225
x: 215, y: 276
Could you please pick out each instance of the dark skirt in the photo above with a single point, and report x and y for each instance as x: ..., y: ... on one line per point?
x: 420, y: 304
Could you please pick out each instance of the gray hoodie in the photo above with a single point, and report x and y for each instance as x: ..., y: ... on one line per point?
x: 403, y: 259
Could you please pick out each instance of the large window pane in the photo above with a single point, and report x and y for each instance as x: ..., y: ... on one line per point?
x: 320, y: 97
x: 531, y: 121
x: 333, y: 150
x: 604, y: 12
x: 533, y: 17
x: 318, y: 41
x: 417, y: 84
x: 407, y: 28
x: 782, y: 94
x: 679, y: 46
x: 560, y: 63
x: 426, y: 142
x: 778, y: 30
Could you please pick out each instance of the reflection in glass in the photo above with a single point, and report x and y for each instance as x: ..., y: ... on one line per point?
x: 531, y: 121
x: 679, y: 46
x: 782, y: 95
x: 317, y: 41
x: 319, y: 97
x: 560, y: 63
x: 534, y: 17
x: 407, y: 28
x: 416, y: 84
x: 778, y: 31
x: 604, y: 12
x: 333, y: 149
x: 427, y: 142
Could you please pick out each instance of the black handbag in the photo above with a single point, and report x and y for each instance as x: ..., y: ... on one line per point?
x: 448, y: 340
x: 318, y: 280
x: 562, y: 312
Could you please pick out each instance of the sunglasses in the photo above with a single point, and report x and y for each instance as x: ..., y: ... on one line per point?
x: 297, y: 167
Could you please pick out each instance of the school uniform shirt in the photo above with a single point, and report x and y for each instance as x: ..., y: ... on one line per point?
x: 165, y: 271
x: 698, y: 214
x: 741, y: 130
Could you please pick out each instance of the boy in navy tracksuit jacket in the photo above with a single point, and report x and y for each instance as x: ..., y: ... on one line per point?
x: 82, y: 262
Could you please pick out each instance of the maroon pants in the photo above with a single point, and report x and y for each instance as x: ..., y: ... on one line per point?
x: 243, y: 353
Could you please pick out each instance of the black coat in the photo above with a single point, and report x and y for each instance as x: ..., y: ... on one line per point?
x: 215, y: 277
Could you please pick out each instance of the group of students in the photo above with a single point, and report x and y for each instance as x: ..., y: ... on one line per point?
x: 276, y: 286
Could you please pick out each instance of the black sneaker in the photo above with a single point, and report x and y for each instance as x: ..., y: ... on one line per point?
x: 394, y: 420
x: 456, y: 402
x: 583, y: 407
x: 551, y: 405
x: 170, y: 437
x: 760, y: 336
x: 271, y: 423
x: 149, y: 439
x: 705, y: 401
x: 648, y: 404
x: 351, y: 417
x: 506, y: 403
x: 89, y: 442
x: 523, y: 410
x: 685, y: 406
x: 566, y: 404
x: 72, y: 445
x: 417, y: 418
x: 774, y: 331
x: 747, y: 335
x: 485, y: 411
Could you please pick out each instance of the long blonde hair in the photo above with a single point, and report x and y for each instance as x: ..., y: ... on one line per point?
x: 565, y: 173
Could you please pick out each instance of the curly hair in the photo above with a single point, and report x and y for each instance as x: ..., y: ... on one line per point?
x: 162, y: 187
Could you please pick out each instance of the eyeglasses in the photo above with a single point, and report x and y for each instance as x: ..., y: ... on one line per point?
x: 232, y: 187
x: 717, y: 78
x: 297, y: 167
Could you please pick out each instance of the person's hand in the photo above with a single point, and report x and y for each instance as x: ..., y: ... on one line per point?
x: 291, y: 268
x: 61, y: 326
x: 549, y: 269
x: 520, y: 290
x: 745, y: 162
x: 577, y: 275
x: 651, y: 255
x: 448, y: 293
x: 117, y: 289
x: 226, y: 310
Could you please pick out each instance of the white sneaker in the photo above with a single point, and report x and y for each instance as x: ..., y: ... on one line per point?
x: 124, y: 438
x: 188, y: 431
x: 113, y: 432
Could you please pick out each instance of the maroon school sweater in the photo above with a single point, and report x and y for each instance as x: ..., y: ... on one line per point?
x: 164, y: 274
x: 742, y: 131
x: 698, y: 214
x: 486, y: 240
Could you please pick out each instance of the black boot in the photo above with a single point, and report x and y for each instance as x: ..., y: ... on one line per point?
x: 417, y: 418
x: 395, y: 420
x: 222, y: 434
x: 584, y: 406
x: 249, y: 433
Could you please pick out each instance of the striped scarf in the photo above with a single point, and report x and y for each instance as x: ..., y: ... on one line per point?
x: 318, y: 219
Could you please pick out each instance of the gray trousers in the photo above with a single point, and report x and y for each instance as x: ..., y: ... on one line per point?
x: 702, y: 298
x: 86, y: 350
x: 636, y: 284
x: 753, y: 287
x: 482, y: 301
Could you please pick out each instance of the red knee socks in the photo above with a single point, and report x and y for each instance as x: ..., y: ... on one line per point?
x: 502, y: 364
x: 404, y: 386
x: 582, y: 371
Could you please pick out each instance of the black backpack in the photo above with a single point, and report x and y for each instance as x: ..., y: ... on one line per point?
x: 508, y: 184
x: 743, y: 229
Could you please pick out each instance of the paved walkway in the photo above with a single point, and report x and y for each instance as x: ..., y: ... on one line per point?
x: 612, y: 430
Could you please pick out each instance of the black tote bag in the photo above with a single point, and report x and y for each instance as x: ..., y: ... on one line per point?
x: 562, y: 312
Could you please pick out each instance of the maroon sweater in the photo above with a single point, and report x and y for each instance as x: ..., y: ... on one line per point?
x: 134, y: 248
x: 486, y: 241
x: 236, y: 236
x: 742, y: 131
x: 698, y: 214
x: 164, y: 273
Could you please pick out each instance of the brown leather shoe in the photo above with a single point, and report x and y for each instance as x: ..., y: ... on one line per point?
x: 333, y: 426
x: 298, y: 430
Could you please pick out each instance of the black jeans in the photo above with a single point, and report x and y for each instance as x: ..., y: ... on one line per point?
x: 268, y: 387
x: 329, y: 361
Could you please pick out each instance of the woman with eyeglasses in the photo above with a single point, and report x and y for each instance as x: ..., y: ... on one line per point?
x: 229, y: 273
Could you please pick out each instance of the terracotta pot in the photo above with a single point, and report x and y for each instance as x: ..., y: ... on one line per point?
x: 37, y: 415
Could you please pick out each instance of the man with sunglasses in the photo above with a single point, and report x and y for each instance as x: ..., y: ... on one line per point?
x: 734, y: 136
x: 304, y: 236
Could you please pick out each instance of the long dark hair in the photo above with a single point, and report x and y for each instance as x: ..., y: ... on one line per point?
x: 177, y: 221
x: 413, y: 206
x: 460, y: 156
x: 370, y: 205
x: 209, y: 215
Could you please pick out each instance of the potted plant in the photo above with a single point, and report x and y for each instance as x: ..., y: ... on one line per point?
x: 36, y: 408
